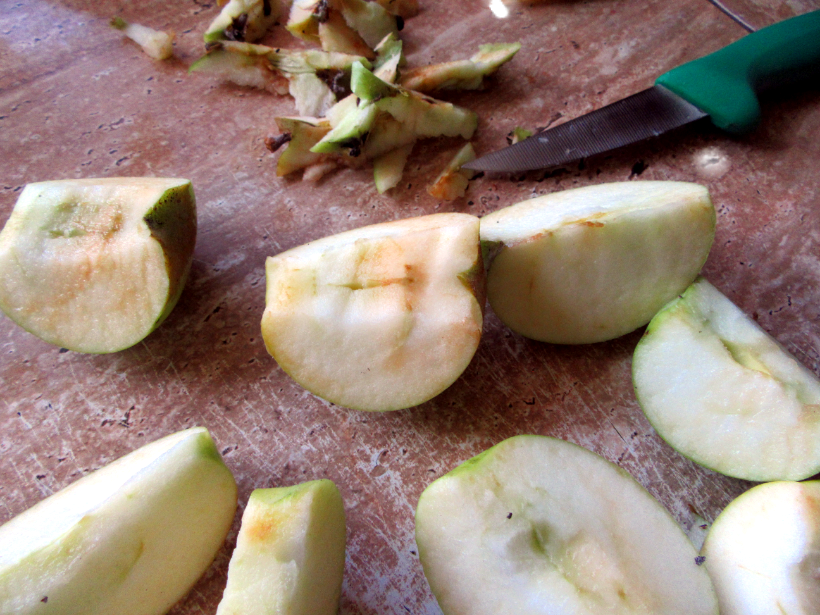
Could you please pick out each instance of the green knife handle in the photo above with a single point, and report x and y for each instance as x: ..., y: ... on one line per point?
x: 725, y: 84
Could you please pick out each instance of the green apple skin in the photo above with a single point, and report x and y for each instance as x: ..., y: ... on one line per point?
x: 539, y: 526
x: 290, y: 553
x: 594, y: 263
x: 763, y: 551
x: 379, y: 318
x: 724, y: 393
x: 95, y: 265
x: 462, y: 74
x: 147, y: 525
x: 259, y: 16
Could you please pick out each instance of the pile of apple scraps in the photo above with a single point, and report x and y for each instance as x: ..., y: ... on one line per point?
x: 355, y: 101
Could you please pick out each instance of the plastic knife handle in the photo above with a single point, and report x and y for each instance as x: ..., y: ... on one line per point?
x: 725, y: 84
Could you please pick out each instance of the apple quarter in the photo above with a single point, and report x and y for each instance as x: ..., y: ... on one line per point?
x: 131, y: 538
x: 539, y: 526
x: 378, y: 318
x: 95, y: 265
x: 290, y: 553
x: 723, y: 392
x: 594, y: 263
x: 763, y: 551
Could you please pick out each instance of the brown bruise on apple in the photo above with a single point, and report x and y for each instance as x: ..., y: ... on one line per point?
x: 379, y: 318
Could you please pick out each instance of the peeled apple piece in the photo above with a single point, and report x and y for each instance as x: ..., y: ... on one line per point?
x: 129, y: 539
x: 290, y: 553
x: 723, y: 392
x: 763, y: 551
x: 95, y: 265
x: 378, y: 318
x: 594, y: 263
x: 539, y: 526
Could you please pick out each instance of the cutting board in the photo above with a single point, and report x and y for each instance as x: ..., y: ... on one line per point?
x: 78, y: 100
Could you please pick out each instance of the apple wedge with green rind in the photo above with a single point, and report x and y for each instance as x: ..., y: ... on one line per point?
x: 594, y: 263
x: 131, y: 538
x: 379, y: 318
x: 763, y: 551
x: 539, y: 526
x: 723, y: 392
x: 95, y: 265
x: 290, y: 552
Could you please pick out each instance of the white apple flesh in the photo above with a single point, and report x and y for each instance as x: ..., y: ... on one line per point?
x: 724, y: 393
x: 128, y: 539
x: 594, y: 263
x: 290, y: 553
x: 95, y: 265
x: 379, y: 318
x: 539, y: 526
x: 763, y: 551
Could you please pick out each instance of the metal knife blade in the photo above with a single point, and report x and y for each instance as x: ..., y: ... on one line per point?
x: 649, y: 113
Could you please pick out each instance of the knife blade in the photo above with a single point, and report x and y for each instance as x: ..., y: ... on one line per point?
x: 722, y: 86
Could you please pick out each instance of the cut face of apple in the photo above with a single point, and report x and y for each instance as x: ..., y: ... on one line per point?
x: 724, y: 393
x: 95, y: 265
x: 763, y: 551
x: 290, y: 552
x: 594, y: 263
x: 147, y: 525
x: 378, y: 318
x: 539, y: 526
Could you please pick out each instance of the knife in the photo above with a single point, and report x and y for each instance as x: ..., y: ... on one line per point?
x: 722, y: 86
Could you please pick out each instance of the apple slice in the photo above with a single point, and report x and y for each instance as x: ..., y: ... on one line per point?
x: 724, y: 393
x: 130, y: 538
x: 290, y: 552
x: 539, y: 526
x: 378, y: 318
x: 763, y: 551
x: 95, y: 265
x: 594, y: 263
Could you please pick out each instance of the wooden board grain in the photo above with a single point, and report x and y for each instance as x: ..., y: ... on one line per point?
x: 77, y: 100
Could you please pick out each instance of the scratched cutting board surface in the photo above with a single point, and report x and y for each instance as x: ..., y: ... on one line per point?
x: 77, y: 100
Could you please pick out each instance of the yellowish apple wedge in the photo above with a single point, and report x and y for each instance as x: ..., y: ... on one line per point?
x: 378, y: 318
x: 130, y: 538
x: 290, y: 553
x: 95, y: 265
x: 594, y: 263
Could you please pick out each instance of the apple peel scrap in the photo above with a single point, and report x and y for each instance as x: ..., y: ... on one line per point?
x: 539, y: 526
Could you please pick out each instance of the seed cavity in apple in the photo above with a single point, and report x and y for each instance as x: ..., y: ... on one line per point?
x: 594, y: 263
x: 763, y: 551
x: 723, y: 392
x: 95, y: 265
x: 382, y: 317
x: 539, y: 526
x: 290, y: 552
x: 131, y: 538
